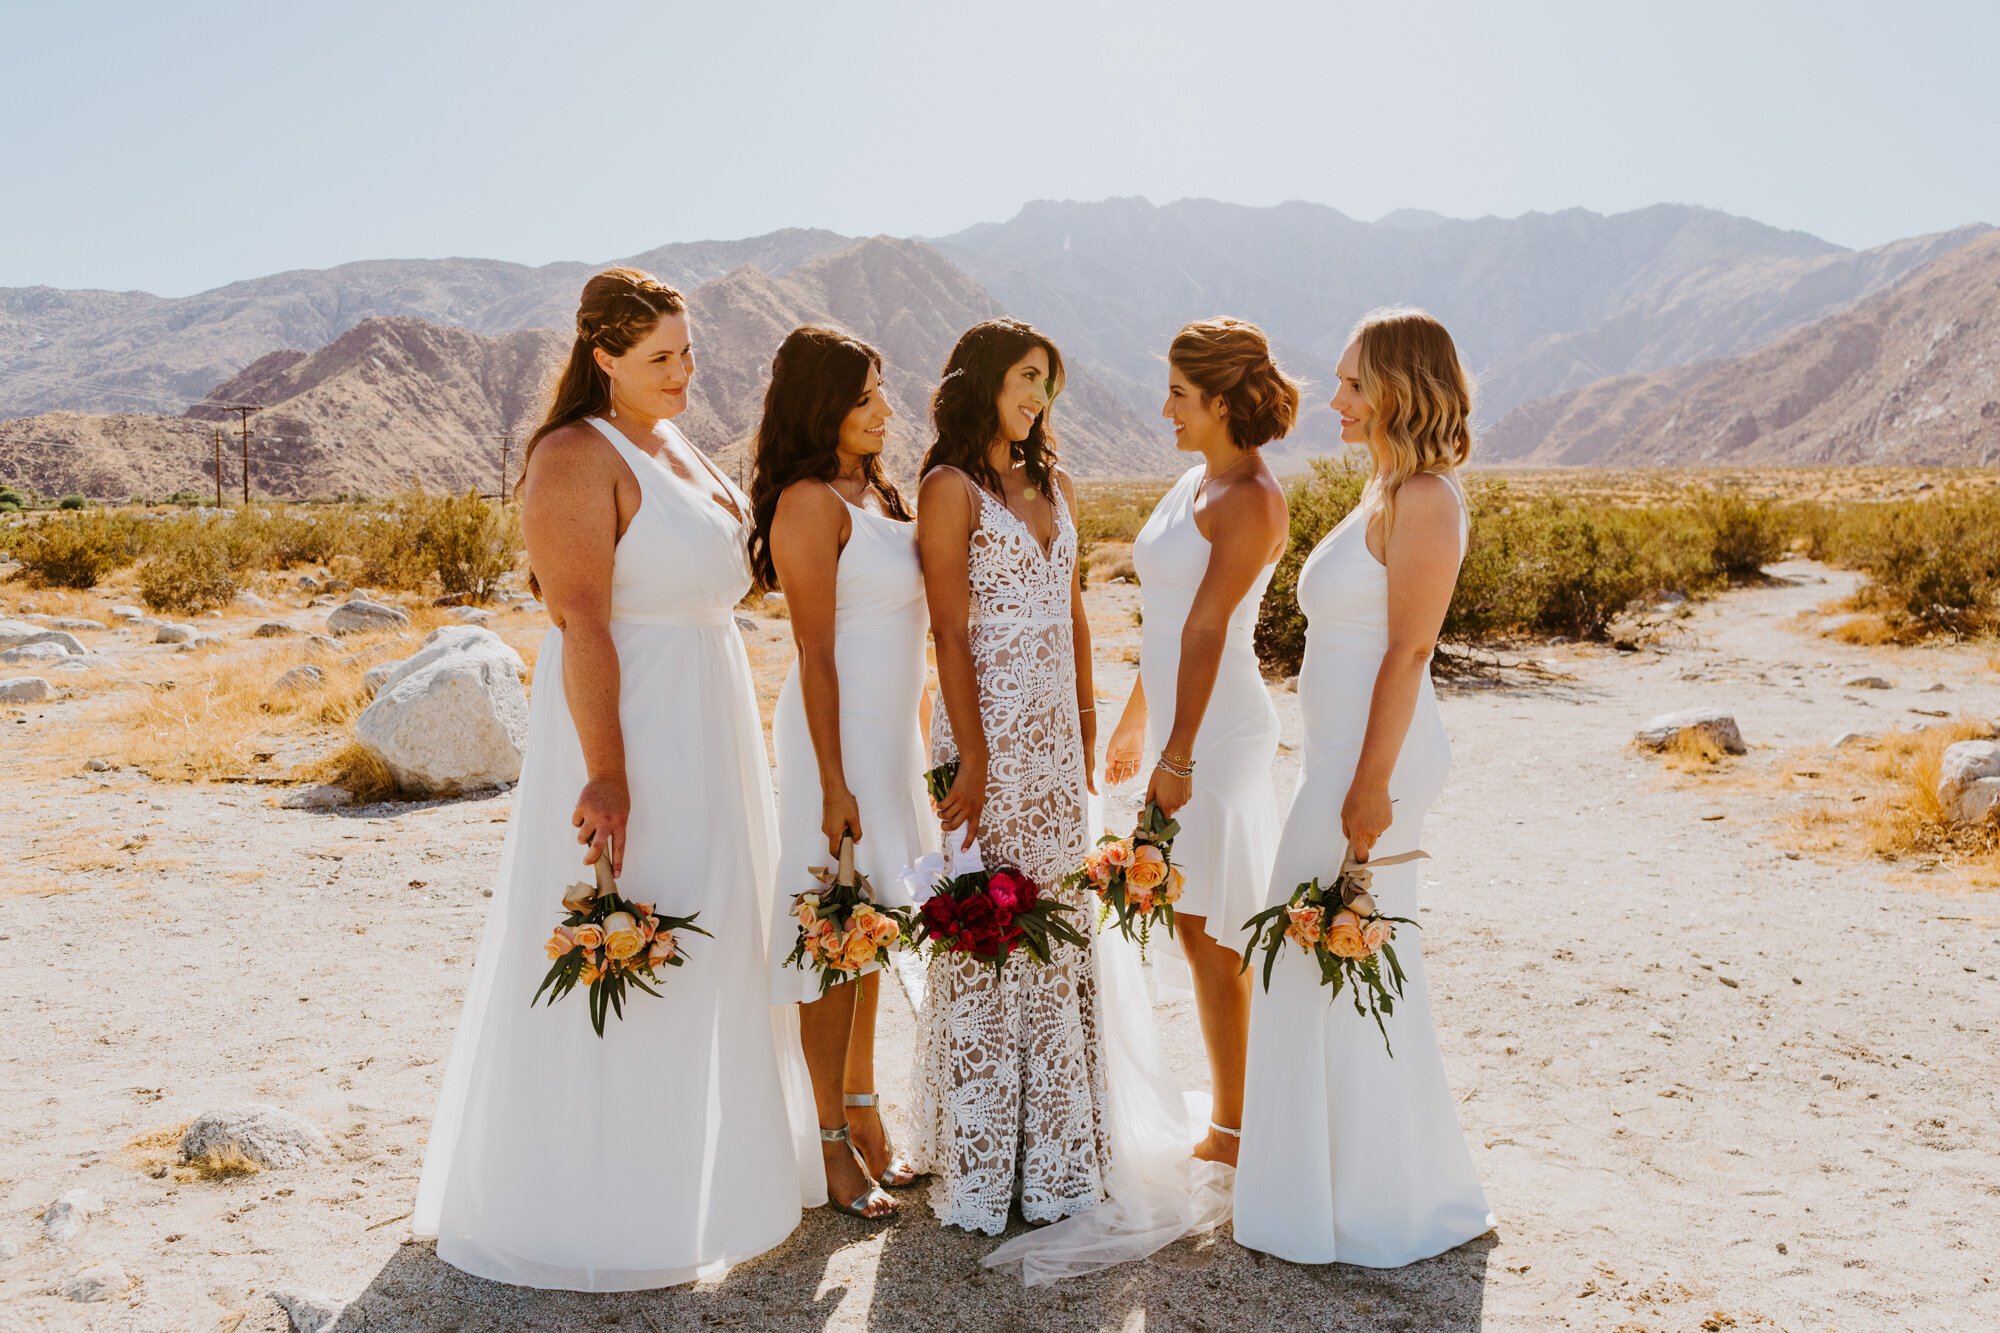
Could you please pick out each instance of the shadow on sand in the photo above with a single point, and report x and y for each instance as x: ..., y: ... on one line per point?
x: 834, y: 1273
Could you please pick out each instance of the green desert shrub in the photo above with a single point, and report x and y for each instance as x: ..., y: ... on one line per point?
x: 191, y: 568
x: 1933, y: 566
x: 12, y: 501
x: 73, y: 502
x: 1743, y: 535
x: 77, y: 550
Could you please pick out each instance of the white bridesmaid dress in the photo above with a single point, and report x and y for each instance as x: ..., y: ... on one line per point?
x: 1229, y: 829
x: 1348, y: 1155
x: 683, y: 1140
x: 880, y: 620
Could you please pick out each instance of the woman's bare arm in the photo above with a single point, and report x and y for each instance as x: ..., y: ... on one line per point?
x: 1086, y: 687
x: 807, y: 534
x: 1423, y: 556
x: 570, y: 521
x: 945, y: 520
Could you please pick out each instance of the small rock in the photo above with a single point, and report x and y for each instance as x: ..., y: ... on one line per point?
x: 23, y: 690
x: 320, y: 643
x: 199, y: 641
x: 97, y: 765
x: 99, y: 1282
x: 171, y: 632
x: 63, y: 1220
x: 268, y: 1135
x: 320, y: 796
x: 1969, y: 780
x: 1867, y: 683
x: 307, y: 583
x: 251, y: 600
x: 339, y: 585
x: 273, y: 629
x: 309, y: 1311
x: 69, y: 643
x: 359, y: 616
x: 76, y: 623
x: 14, y: 632
x: 376, y: 677
x: 1938, y: 687
x: 1719, y: 727
x: 323, y: 601
x: 1847, y: 738
x: 745, y: 623
x: 471, y: 615
x: 304, y: 676
x: 36, y: 652
x: 128, y: 613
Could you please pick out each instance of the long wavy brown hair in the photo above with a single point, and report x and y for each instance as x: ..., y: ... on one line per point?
x: 817, y: 377
x: 965, y: 409
x: 1421, y: 396
x: 618, y: 310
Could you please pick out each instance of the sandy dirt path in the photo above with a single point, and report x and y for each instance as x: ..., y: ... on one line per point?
x: 1708, y: 1082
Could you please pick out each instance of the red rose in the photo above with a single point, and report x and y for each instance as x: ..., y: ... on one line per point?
x: 1001, y: 895
x: 988, y: 941
x: 940, y: 914
x: 976, y: 912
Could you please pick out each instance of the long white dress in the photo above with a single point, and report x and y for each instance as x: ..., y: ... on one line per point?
x: 880, y: 619
x: 664, y: 1151
x: 1229, y: 829
x: 1350, y: 1155
x: 1010, y: 1086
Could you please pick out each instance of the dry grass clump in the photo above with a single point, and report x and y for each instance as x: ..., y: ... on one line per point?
x: 1897, y: 815
x: 356, y: 769
x: 1693, y: 750
x: 158, y: 1153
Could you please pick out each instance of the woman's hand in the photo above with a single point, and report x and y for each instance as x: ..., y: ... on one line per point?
x: 1121, y: 757
x: 1169, y: 791
x: 964, y: 802
x: 1364, y: 817
x: 600, y: 817
x: 839, y: 813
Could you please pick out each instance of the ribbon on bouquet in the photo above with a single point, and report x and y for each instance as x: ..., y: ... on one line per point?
x: 1357, y: 878
x: 920, y: 881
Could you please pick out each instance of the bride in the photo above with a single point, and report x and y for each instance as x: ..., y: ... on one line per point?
x: 662, y: 1151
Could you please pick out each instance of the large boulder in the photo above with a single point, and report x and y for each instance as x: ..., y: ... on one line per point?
x: 1969, y: 781
x: 1715, y: 725
x: 361, y: 616
x: 23, y: 690
x: 451, y: 718
x: 270, y: 1136
x: 172, y: 632
x: 15, y: 632
x: 36, y: 652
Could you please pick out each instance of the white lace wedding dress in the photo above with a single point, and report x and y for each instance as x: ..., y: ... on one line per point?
x: 1010, y: 1076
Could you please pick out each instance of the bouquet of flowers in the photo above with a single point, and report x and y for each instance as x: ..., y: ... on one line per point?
x: 938, y: 780
x: 841, y: 930
x: 608, y: 943
x: 1341, y: 928
x: 988, y: 913
x: 1135, y: 877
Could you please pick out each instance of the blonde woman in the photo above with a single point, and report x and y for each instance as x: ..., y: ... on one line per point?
x: 1199, y: 708
x: 1349, y: 1154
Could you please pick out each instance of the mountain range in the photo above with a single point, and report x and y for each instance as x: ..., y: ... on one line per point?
x: 375, y: 373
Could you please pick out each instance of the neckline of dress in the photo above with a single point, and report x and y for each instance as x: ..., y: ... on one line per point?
x: 863, y: 509
x: 1048, y: 553
x: 686, y: 488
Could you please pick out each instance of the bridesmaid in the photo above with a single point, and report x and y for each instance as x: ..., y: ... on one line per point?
x: 664, y: 1150
x: 1350, y: 1154
x: 832, y: 530
x: 1204, y: 559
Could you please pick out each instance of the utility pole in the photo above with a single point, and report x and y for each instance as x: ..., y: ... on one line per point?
x: 244, y: 410
x: 506, y: 449
x: 218, y: 467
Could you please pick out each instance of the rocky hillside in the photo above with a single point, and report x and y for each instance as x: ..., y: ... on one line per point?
x: 1910, y: 375
x: 396, y: 399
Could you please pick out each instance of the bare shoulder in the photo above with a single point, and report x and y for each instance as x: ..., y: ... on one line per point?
x: 811, y: 501
x: 571, y: 454
x: 1428, y: 503
x: 943, y: 493
x: 1066, y: 484
x: 1256, y: 501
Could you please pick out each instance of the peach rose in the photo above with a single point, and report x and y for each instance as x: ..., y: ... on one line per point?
x: 1097, y: 868
x: 1376, y: 933
x: 1148, y: 869
x: 557, y: 946
x: 621, y: 936
x: 1117, y: 855
x: 1304, y: 927
x: 883, y: 929
x: 1344, y: 938
x: 589, y: 936
x: 860, y: 950
x: 1139, y: 900
x: 1176, y: 882
x: 642, y: 910
x: 806, y: 915
x: 663, y: 948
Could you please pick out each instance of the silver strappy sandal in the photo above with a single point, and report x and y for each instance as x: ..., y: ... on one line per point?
x: 899, y: 1174
x: 867, y: 1198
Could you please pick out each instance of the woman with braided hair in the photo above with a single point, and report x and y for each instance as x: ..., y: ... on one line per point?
x: 664, y: 1150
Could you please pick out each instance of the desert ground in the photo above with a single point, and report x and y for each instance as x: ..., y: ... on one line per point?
x: 1715, y: 1073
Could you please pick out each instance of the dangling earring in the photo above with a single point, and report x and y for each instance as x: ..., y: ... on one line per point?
x: 610, y: 395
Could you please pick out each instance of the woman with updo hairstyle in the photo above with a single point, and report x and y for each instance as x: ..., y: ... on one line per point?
x: 1203, y: 561
x: 831, y: 531
x: 664, y: 1149
x: 1350, y: 1153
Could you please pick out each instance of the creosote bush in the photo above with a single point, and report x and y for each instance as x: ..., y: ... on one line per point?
x: 76, y: 550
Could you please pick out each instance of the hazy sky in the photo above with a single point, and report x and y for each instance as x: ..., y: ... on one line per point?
x: 175, y: 147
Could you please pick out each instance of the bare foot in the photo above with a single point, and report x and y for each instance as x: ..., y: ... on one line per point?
x: 865, y: 1124
x: 1218, y: 1147
x: 846, y: 1181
